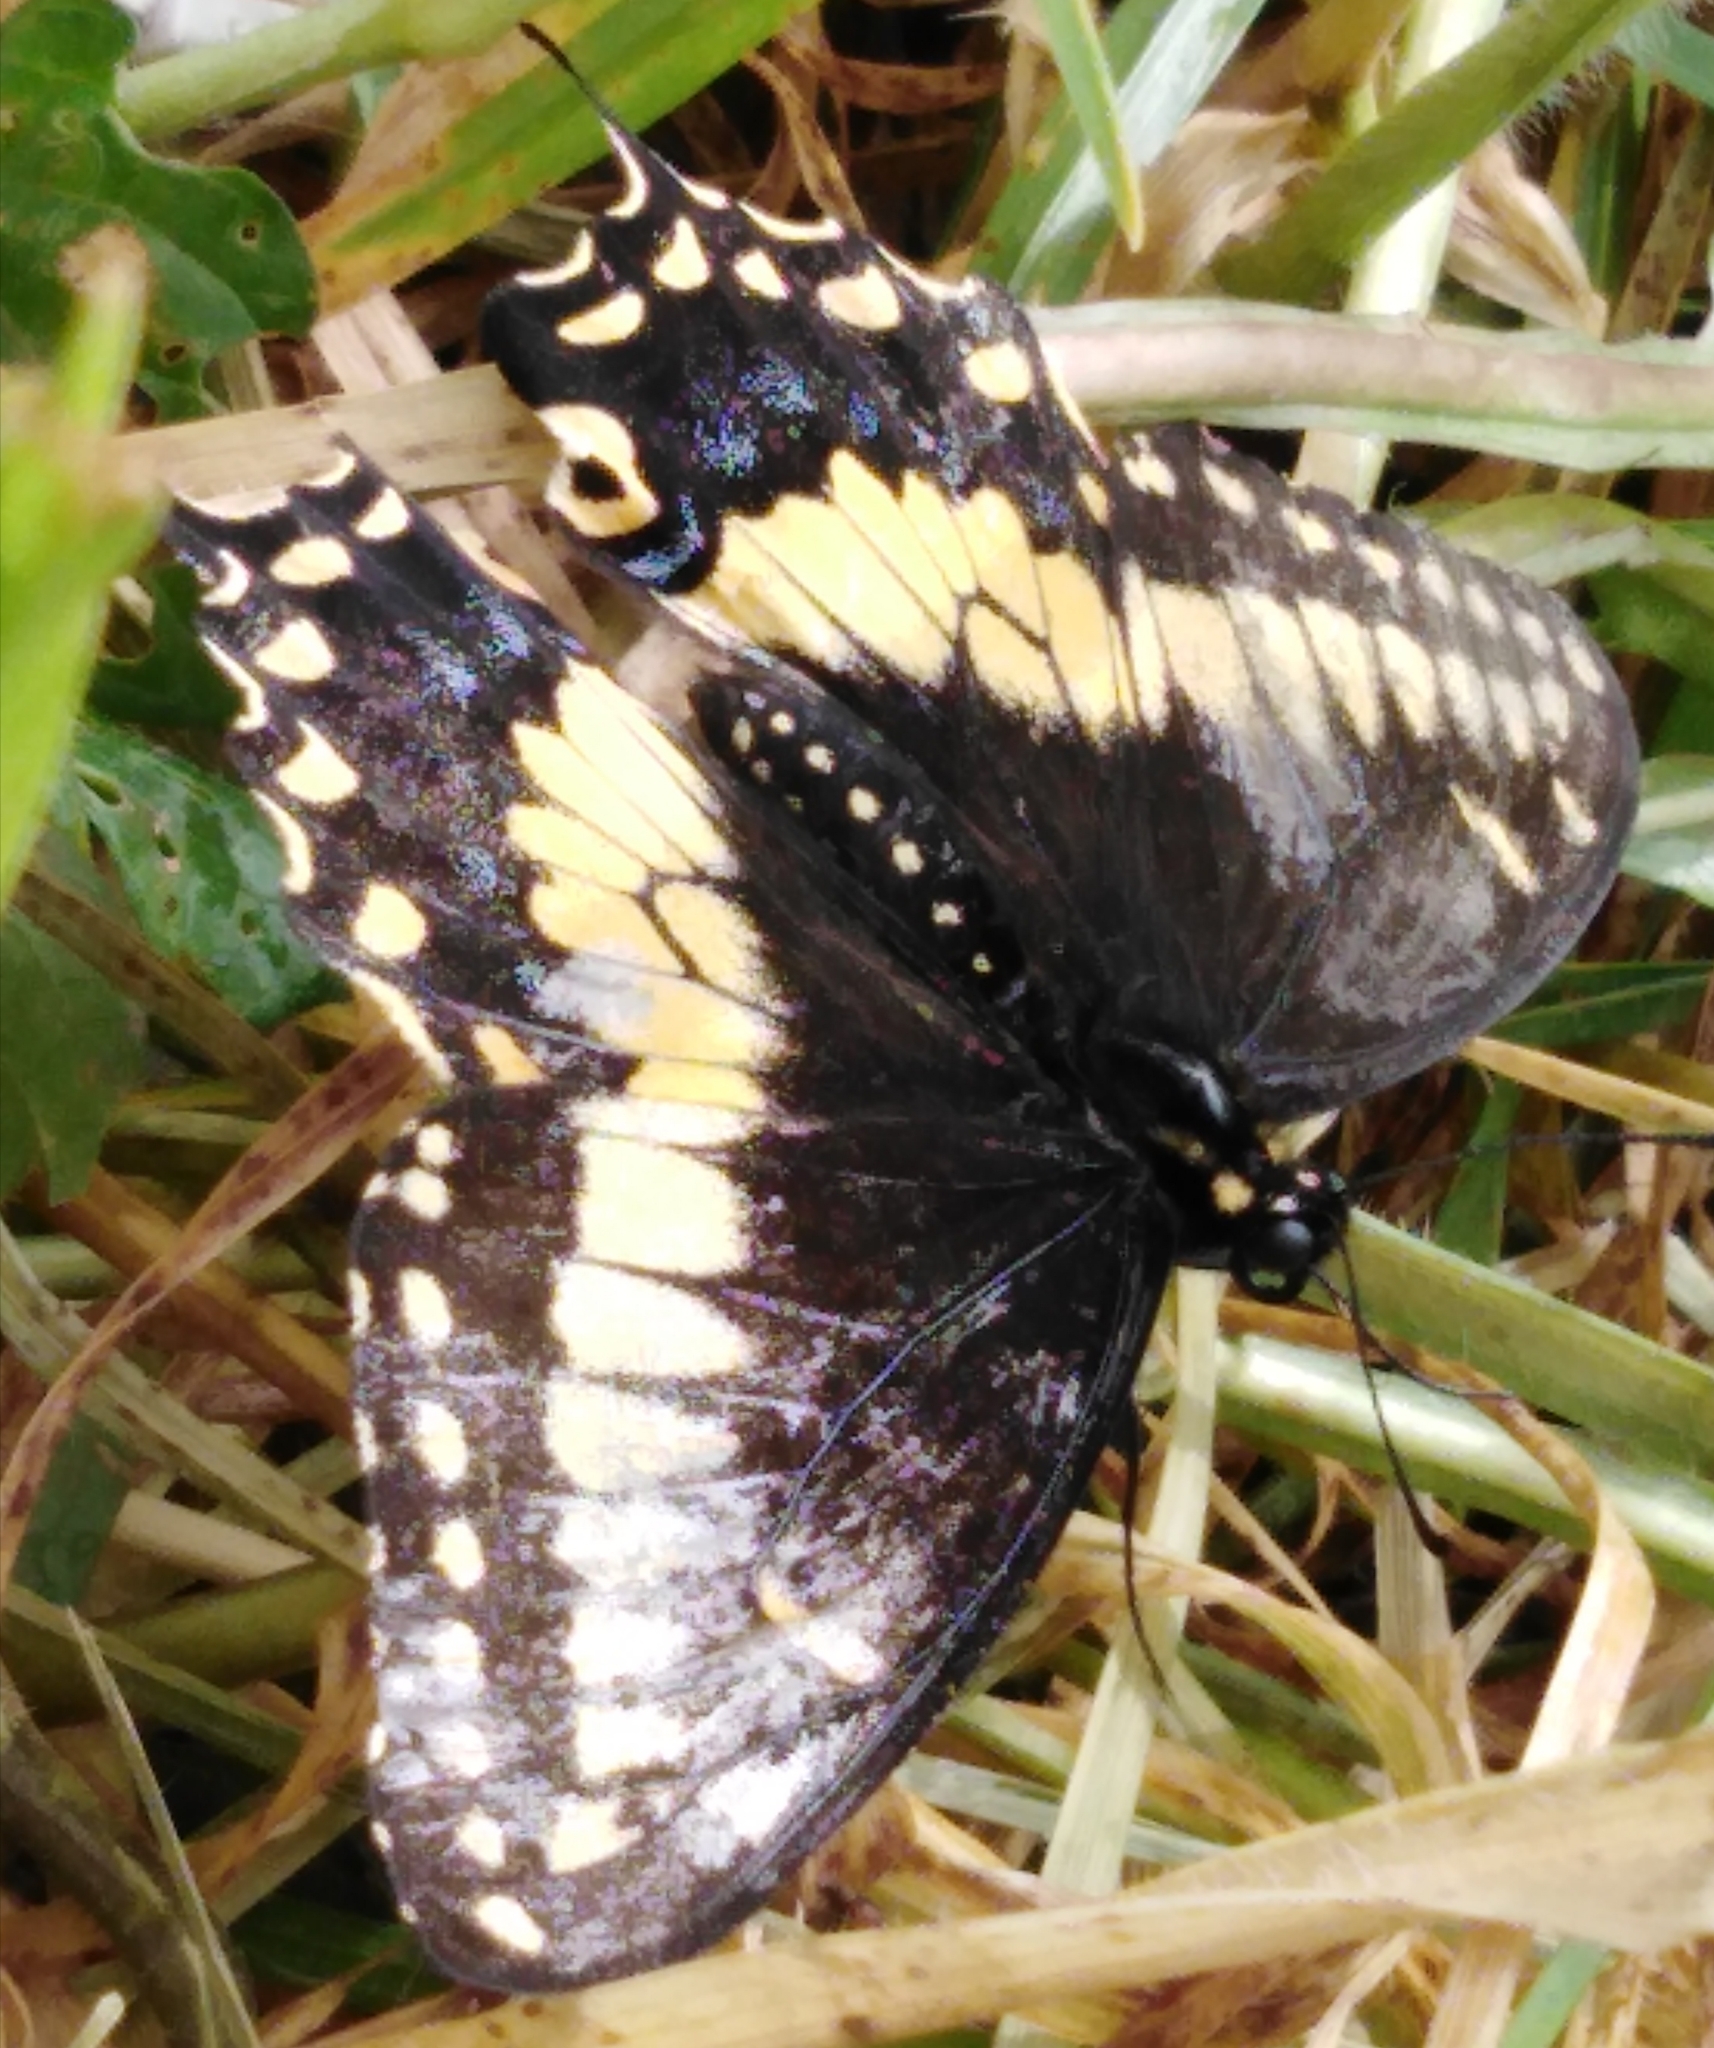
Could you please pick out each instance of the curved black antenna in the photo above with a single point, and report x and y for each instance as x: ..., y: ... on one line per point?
x: 1697, y: 1141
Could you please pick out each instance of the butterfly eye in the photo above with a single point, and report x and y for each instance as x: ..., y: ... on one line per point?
x: 1274, y: 1259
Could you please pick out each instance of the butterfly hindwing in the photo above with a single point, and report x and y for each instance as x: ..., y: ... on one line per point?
x: 732, y: 1343
x: 1217, y: 736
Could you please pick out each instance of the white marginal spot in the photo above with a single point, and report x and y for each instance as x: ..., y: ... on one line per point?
x: 1479, y: 602
x: 1409, y: 669
x: 1532, y: 631
x: 755, y: 1796
x: 424, y: 1194
x: 312, y: 562
x: 505, y: 1922
x: 577, y: 261
x: 423, y: 1307
x: 455, y: 1651
x: 437, y: 1437
x: 253, y: 701
x: 232, y: 586
x: 585, y: 1831
x: 461, y: 1748
x: 388, y: 925
x: 1381, y: 561
x: 386, y: 517
x: 375, y: 1745
x: 457, y: 1553
x: 362, y: 1429
x: 1509, y: 857
x: 1230, y: 491
x: 612, y: 1740
x: 645, y: 1541
x: 296, y: 852
x: 608, y: 321
x: 436, y: 1145
x: 864, y: 805
x: 906, y: 856
x: 1575, y: 819
x: 612, y: 1441
x: 401, y: 1013
x: 682, y: 266
x: 840, y: 1648
x: 482, y: 1839
x: 757, y: 272
x: 1001, y: 371
x: 867, y: 300
x: 298, y: 653
x: 1585, y: 664
x: 1435, y: 582
x: 1148, y: 471
x: 317, y: 773
x: 616, y: 1324
x: 821, y: 759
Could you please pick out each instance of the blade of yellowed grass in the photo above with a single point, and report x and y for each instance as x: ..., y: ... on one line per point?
x: 1087, y: 1849
x: 1633, y: 1104
x: 1549, y: 398
x: 124, y: 1400
x: 1633, y: 1866
x: 220, y: 2015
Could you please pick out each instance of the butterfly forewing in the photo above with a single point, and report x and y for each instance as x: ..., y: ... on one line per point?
x: 1301, y: 786
x: 732, y: 1347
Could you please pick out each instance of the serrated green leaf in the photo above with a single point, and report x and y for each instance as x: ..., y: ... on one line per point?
x: 200, y: 870
x: 225, y: 255
x: 70, y: 1048
x: 172, y: 682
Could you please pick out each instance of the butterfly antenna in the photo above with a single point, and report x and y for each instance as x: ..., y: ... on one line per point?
x: 1131, y: 1447
x: 1372, y: 1355
x: 543, y: 41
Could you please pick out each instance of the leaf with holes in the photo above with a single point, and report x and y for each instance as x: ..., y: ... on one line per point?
x: 226, y: 257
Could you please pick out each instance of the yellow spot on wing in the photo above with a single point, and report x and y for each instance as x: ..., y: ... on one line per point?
x: 591, y: 434
x: 423, y: 1307
x: 563, y: 772
x: 1409, y: 669
x: 482, y: 1839
x: 457, y: 1553
x: 585, y: 1831
x: 315, y: 560
x: 664, y: 1211
x: 718, y: 938
x: 1001, y: 372
x: 609, y: 320
x: 1082, y: 635
x: 299, y: 870
x: 573, y: 847
x: 1509, y: 856
x: 385, y: 518
x: 388, y: 925
x: 577, y: 261
x: 868, y: 300
x: 994, y: 535
x: 582, y: 917
x: 1342, y: 648
x: 505, y: 1921
x: 757, y: 272
x: 1011, y: 668
x: 892, y: 532
x: 298, y: 653
x: 316, y: 773
x: 405, y: 1018
x: 437, y: 1437
x: 616, y: 1324
x: 682, y: 266
x: 1283, y: 669
x: 1145, y: 655
x: 609, y: 1440
x: 1204, y: 656
x: 504, y: 1057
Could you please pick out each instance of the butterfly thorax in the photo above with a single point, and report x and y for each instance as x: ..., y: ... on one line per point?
x: 1269, y: 1222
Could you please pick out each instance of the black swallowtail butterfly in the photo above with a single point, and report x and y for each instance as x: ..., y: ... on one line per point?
x: 831, y: 1094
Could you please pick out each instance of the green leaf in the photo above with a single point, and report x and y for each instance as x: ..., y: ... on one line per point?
x: 1609, y: 999
x: 1674, y: 51
x: 1419, y: 141
x: 70, y: 1048
x: 1673, y: 844
x: 1664, y: 611
x: 1472, y: 1217
x: 1050, y: 224
x: 69, y: 523
x: 1075, y: 41
x: 172, y: 682
x: 200, y: 869
x: 73, y: 1515
x: 225, y: 255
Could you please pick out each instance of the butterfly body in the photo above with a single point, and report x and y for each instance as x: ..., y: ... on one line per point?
x: 831, y: 1092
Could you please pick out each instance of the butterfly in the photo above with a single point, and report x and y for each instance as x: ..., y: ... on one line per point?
x: 832, y: 1087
